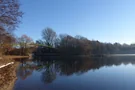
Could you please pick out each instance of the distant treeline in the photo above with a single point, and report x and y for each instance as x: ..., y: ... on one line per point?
x: 68, y: 44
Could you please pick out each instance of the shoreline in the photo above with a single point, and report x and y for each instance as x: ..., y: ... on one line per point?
x: 9, y: 60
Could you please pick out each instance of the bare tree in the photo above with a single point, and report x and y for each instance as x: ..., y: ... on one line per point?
x: 49, y: 36
x: 9, y: 19
x: 24, y: 42
x: 9, y: 14
x: 6, y: 43
x: 40, y: 42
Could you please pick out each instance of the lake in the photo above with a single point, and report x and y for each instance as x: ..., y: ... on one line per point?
x: 76, y: 73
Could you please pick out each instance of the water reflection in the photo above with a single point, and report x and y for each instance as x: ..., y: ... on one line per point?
x: 25, y: 68
x: 52, y: 67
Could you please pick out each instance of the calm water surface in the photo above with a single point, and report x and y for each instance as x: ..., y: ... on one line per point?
x: 76, y: 73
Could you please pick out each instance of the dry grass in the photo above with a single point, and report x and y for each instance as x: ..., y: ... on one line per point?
x: 8, y: 77
x: 8, y: 73
x: 4, y: 61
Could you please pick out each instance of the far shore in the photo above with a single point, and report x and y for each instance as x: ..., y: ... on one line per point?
x: 14, y: 56
x: 120, y: 55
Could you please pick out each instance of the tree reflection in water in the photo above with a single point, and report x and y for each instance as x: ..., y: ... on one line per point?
x: 25, y: 69
x: 51, y: 67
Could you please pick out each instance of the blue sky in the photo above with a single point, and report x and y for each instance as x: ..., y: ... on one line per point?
x: 103, y: 20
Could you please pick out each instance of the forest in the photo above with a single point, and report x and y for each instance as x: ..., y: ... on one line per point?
x: 79, y: 45
x: 11, y: 44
